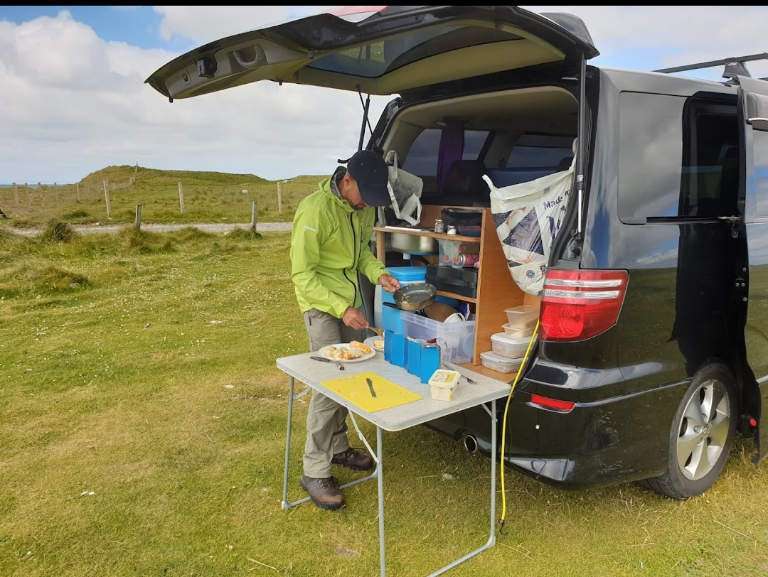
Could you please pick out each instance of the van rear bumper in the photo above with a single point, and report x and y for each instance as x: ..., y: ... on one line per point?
x: 616, y: 439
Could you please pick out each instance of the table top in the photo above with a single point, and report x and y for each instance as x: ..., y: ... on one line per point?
x: 466, y: 395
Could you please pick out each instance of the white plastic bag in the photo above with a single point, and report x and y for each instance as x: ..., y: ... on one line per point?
x: 404, y: 191
x: 528, y: 217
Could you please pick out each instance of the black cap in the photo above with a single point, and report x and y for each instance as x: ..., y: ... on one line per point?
x: 370, y: 171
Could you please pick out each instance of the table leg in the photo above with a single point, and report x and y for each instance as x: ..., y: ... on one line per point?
x: 284, y: 502
x: 380, y: 481
x: 492, y: 536
x: 492, y: 532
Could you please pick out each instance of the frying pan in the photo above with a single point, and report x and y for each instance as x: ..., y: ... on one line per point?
x: 414, y: 297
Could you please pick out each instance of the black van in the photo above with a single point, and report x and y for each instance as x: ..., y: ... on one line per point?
x: 653, y: 352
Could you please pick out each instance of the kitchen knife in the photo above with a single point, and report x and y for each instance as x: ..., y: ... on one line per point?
x: 324, y: 360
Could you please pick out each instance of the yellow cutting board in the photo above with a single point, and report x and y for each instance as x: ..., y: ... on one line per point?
x: 355, y: 389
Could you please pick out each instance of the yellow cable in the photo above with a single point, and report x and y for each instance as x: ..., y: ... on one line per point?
x: 504, y: 423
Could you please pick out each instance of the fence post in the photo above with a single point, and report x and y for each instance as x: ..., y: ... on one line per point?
x: 181, y: 199
x: 77, y: 192
x: 16, y: 194
x: 279, y: 199
x: 107, y: 200
x: 253, y: 215
x: 137, y: 222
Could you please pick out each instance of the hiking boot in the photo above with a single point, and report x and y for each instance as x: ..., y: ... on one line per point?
x: 353, y: 459
x: 323, y: 492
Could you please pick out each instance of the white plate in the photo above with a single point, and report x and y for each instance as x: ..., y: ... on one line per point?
x: 369, y: 342
x: 322, y: 353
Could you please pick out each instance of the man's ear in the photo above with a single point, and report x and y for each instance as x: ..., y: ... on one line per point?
x: 346, y: 180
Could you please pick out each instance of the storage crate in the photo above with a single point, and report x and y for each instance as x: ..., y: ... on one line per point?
x: 456, y: 339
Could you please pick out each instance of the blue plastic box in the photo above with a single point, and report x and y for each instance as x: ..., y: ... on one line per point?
x: 391, y: 319
x: 395, y: 351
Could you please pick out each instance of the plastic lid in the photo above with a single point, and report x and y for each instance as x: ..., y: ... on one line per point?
x: 522, y: 310
x: 408, y: 273
x: 505, y: 338
x: 513, y: 327
x: 497, y: 358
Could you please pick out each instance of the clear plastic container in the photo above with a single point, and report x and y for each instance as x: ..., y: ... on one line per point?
x: 512, y: 347
x: 456, y: 340
x: 523, y: 316
x: 500, y: 363
x: 517, y: 332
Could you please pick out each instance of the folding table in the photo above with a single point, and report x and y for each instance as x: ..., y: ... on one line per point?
x: 484, y: 390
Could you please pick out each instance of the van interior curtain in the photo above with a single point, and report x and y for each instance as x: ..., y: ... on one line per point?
x: 451, y: 149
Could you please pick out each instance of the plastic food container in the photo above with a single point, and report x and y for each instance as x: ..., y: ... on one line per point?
x: 500, y: 363
x: 523, y: 316
x: 443, y: 383
x: 512, y: 347
x: 456, y: 340
x: 517, y: 332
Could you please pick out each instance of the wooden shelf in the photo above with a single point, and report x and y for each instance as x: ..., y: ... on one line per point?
x: 456, y: 296
x: 429, y: 233
x: 503, y: 377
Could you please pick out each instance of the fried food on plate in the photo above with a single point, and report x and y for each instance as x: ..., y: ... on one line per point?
x: 360, y: 347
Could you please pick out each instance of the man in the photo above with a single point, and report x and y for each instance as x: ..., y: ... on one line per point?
x: 329, y: 246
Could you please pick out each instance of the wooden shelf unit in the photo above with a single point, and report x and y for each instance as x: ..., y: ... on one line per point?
x: 496, y: 290
x: 429, y: 233
x: 457, y: 296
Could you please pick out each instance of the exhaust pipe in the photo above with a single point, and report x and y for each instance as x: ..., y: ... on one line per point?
x: 470, y: 443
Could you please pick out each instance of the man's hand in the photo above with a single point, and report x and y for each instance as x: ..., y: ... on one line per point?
x: 353, y: 318
x: 389, y: 283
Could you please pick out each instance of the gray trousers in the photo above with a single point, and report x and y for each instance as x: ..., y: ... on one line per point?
x: 326, y: 419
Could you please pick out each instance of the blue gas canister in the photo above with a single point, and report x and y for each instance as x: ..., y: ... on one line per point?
x: 395, y: 348
x: 429, y: 361
x: 413, y: 362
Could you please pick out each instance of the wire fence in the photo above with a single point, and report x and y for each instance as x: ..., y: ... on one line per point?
x: 165, y: 196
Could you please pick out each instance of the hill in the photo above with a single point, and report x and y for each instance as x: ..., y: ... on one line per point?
x: 207, y: 197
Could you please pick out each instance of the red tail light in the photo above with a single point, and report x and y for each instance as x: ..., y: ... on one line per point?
x: 554, y: 404
x: 580, y: 304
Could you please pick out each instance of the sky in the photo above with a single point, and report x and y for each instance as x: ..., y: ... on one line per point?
x: 73, y: 97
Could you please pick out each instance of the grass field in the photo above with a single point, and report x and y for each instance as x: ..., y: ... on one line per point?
x: 141, y: 434
x: 208, y: 197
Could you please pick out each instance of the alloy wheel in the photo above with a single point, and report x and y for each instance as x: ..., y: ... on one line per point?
x: 703, y: 430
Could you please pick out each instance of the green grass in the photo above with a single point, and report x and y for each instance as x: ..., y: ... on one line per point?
x: 140, y: 368
x: 208, y: 197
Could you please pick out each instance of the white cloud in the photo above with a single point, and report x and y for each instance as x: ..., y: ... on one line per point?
x: 668, y: 36
x: 72, y: 103
x: 206, y: 23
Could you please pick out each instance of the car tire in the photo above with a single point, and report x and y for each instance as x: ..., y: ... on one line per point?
x: 701, y: 435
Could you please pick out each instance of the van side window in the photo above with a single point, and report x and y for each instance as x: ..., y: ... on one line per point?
x: 541, y: 151
x: 422, y: 156
x: 650, y: 155
x: 710, y: 177
x: 758, y: 182
x: 473, y: 143
x: 678, y: 157
x: 533, y: 156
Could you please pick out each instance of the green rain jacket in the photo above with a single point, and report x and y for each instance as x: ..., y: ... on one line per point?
x: 329, y: 244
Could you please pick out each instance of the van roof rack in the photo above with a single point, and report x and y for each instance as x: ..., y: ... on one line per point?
x: 734, y: 65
